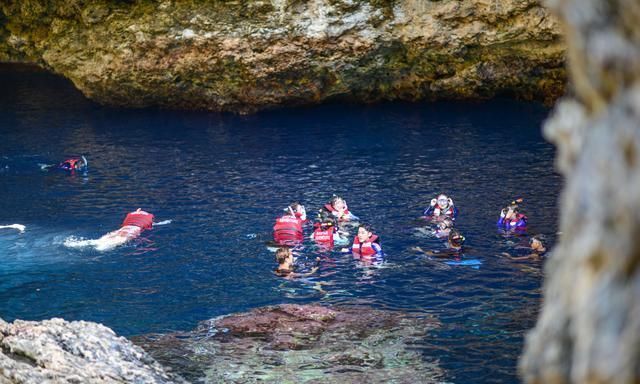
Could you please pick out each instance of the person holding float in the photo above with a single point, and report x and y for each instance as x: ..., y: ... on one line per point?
x: 441, y: 207
x: 366, y: 245
x: 337, y: 207
x: 511, y: 218
x: 288, y: 228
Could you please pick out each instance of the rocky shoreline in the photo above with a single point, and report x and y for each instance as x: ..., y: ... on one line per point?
x: 59, y: 351
x: 245, y: 56
x: 283, y: 343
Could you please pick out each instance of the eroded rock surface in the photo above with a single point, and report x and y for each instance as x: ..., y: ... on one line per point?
x: 589, y: 328
x: 246, y: 55
x: 58, y: 351
x: 300, y: 344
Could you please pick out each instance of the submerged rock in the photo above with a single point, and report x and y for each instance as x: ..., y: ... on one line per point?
x: 58, y: 351
x: 300, y: 344
x: 589, y: 327
x: 246, y: 55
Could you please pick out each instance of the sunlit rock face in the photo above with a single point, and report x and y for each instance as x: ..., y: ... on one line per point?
x: 589, y: 327
x: 245, y: 55
x: 58, y: 351
x: 301, y: 344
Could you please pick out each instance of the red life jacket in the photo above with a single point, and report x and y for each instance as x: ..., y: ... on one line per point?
x: 439, y: 212
x: 69, y: 164
x: 334, y: 211
x: 288, y: 229
x: 139, y: 219
x: 366, y: 248
x: 324, y: 237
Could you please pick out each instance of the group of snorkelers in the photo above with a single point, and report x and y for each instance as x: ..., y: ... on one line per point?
x: 333, y: 219
x: 443, y: 213
x: 330, y: 228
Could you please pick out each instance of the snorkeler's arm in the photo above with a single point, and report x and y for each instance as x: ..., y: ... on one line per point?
x: 306, y: 274
x: 418, y: 249
x: 429, y: 210
x: 531, y: 256
x: 377, y: 248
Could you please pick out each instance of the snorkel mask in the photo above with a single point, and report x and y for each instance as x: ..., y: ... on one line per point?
x: 443, y: 201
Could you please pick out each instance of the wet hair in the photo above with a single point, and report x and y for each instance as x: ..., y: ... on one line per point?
x: 328, y: 221
x: 295, y: 206
x: 282, y: 254
x: 366, y: 226
x: 334, y: 199
x: 455, y: 238
x: 540, y: 238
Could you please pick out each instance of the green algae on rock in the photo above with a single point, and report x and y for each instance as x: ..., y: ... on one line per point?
x: 301, y: 344
x: 249, y: 55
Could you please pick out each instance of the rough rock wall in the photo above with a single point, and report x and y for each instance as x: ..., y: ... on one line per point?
x: 58, y: 351
x: 244, y: 55
x: 589, y: 327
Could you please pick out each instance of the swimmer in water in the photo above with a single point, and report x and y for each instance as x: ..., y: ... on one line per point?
x: 441, y: 207
x: 511, y: 217
x: 284, y: 257
x: 443, y: 228
x: 132, y: 226
x: 366, y: 245
x: 71, y: 164
x: 326, y: 233
x: 337, y: 207
x: 536, y: 249
x: 455, y: 241
x: 288, y: 228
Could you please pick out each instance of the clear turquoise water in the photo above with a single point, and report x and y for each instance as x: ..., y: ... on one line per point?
x: 222, y: 179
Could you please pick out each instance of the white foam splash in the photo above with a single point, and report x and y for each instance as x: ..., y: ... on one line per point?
x: 105, y: 243
x: 19, y: 227
x: 163, y: 222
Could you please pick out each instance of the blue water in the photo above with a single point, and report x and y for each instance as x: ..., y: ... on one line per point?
x: 222, y: 179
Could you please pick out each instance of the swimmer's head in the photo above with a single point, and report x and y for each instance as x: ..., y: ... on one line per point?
x: 514, y: 205
x: 283, y: 254
x: 338, y: 203
x: 455, y: 238
x: 443, y: 200
x: 536, y: 243
x: 296, y: 209
x: 364, y: 232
